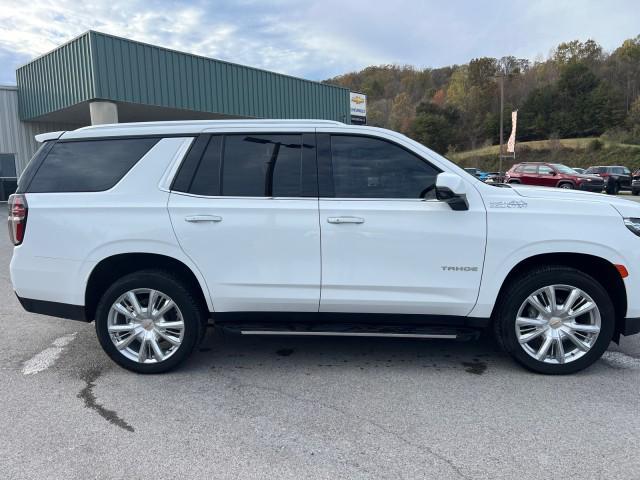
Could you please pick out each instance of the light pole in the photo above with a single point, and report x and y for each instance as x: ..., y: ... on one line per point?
x: 501, y: 78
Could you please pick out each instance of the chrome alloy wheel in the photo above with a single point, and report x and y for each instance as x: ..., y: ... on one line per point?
x: 558, y: 324
x: 145, y: 325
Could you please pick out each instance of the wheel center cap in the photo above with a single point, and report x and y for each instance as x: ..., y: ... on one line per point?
x: 555, y: 322
x: 147, y: 324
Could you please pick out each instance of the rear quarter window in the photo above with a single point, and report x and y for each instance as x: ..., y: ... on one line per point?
x: 88, y: 166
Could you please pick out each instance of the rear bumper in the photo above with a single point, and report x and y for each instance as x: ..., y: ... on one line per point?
x: 630, y: 326
x: 54, y: 309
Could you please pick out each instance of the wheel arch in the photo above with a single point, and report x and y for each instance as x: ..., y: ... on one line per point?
x: 600, y: 269
x: 111, y: 268
x: 563, y: 181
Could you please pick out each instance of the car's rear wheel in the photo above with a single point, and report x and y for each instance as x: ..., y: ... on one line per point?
x: 149, y: 321
x: 635, y: 192
x: 555, y: 320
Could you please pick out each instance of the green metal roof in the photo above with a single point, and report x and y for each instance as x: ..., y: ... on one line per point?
x: 98, y: 66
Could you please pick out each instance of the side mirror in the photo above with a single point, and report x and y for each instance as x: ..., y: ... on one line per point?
x: 553, y: 173
x: 450, y: 188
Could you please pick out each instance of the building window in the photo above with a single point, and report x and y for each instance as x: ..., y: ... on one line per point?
x: 8, y: 180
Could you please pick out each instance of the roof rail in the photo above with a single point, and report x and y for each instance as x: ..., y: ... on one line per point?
x: 211, y: 123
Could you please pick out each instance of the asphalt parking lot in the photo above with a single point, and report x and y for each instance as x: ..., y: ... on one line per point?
x: 246, y: 407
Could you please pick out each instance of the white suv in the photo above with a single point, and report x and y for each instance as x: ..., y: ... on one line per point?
x: 312, y: 228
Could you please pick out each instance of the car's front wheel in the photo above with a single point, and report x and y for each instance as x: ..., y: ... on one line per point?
x: 555, y: 320
x: 149, y: 321
x: 613, y: 188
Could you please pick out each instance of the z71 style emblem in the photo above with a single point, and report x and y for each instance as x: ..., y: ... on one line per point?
x: 511, y: 204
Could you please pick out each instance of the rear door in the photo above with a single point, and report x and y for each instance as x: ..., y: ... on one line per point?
x: 244, y: 207
x: 529, y: 175
x: 625, y: 177
x: 388, y: 246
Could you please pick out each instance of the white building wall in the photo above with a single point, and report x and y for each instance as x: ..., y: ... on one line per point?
x: 16, y: 136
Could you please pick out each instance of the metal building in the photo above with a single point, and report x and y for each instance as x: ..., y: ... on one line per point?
x: 99, y: 78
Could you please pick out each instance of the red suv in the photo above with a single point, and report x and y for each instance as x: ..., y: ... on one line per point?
x: 553, y: 175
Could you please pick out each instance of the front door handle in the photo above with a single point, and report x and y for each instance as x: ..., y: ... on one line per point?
x: 345, y: 220
x: 202, y: 218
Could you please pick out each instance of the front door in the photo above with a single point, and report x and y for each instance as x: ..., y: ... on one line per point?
x: 388, y: 246
x: 248, y: 218
x: 547, y: 176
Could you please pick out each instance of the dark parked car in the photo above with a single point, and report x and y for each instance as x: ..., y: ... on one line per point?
x: 578, y: 169
x: 616, y: 178
x: 553, y: 175
x: 635, y: 182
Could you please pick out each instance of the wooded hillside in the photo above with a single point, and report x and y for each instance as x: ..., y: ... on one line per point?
x: 579, y: 91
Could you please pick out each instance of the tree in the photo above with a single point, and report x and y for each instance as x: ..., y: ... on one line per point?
x: 625, y: 66
x: 579, y: 90
x: 588, y: 52
x: 434, y: 126
x: 402, y: 113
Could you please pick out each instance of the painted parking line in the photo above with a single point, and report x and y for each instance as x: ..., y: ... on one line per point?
x: 48, y: 356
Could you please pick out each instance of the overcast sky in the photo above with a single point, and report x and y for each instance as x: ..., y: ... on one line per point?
x: 318, y: 39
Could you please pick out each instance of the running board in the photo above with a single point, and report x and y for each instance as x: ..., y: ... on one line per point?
x: 351, y: 330
x: 349, y: 334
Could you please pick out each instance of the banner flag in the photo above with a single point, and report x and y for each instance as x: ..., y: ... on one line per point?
x: 511, y: 144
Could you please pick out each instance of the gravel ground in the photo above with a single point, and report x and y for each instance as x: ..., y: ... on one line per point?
x: 296, y: 408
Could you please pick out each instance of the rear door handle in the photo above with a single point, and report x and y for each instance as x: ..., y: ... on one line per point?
x: 202, y: 218
x: 345, y: 219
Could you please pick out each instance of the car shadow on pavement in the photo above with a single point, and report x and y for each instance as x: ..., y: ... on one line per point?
x: 222, y: 350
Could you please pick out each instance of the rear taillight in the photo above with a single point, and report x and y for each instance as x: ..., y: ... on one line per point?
x: 18, y: 210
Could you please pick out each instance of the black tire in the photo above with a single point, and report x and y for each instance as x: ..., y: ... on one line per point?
x: 514, y: 182
x: 523, y: 286
x: 613, y: 187
x: 194, y: 317
x: 635, y: 192
x: 566, y: 185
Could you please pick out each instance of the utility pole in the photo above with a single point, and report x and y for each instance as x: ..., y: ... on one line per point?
x: 501, y: 77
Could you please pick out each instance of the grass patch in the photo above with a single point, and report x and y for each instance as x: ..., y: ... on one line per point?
x: 574, y: 152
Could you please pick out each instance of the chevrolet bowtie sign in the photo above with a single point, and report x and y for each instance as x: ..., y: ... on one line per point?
x: 358, y: 103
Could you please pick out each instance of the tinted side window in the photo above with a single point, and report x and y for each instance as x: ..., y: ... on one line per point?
x: 263, y: 165
x: 206, y: 180
x: 88, y: 166
x: 530, y: 169
x: 32, y: 167
x: 365, y: 167
x: 544, y: 170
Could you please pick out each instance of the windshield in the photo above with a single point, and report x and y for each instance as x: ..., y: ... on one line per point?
x: 563, y: 168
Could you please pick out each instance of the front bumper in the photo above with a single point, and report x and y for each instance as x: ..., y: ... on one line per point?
x: 591, y: 187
